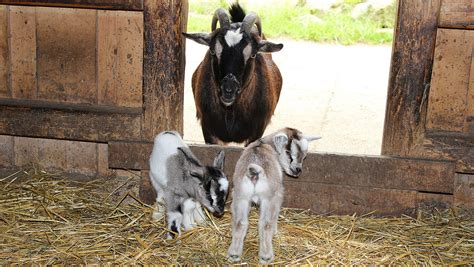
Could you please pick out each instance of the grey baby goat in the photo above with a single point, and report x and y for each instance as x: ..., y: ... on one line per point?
x: 182, y: 183
x: 258, y: 178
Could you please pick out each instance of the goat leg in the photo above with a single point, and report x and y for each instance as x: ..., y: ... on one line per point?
x: 269, y: 211
x: 240, y: 212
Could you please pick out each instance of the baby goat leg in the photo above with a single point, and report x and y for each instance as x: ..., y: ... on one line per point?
x: 269, y: 211
x: 240, y: 212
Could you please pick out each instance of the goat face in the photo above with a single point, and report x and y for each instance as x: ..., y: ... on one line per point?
x: 214, y: 184
x: 233, y: 49
x: 292, y: 151
x: 216, y: 188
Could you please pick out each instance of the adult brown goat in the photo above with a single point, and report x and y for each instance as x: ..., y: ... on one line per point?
x: 237, y: 85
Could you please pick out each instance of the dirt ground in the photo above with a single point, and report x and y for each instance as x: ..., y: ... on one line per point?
x: 337, y: 92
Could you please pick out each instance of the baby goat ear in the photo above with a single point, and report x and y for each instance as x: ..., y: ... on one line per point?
x: 201, y: 38
x: 280, y: 140
x: 219, y: 160
x: 311, y: 138
x: 189, y: 156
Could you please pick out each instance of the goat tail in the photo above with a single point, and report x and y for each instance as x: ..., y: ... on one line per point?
x: 254, y: 172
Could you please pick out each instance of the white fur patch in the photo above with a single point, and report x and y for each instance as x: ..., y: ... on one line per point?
x: 218, y: 49
x: 188, y: 217
x: 233, y: 37
x: 224, y: 184
x: 247, y: 51
x: 166, y: 144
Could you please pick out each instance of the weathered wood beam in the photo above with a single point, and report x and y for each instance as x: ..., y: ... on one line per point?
x: 163, y: 66
x: 136, y: 5
x: 410, y: 74
x: 71, y: 125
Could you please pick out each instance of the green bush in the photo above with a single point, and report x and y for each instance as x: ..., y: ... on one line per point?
x: 336, y: 25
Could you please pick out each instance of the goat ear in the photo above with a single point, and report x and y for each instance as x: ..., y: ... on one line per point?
x: 201, y: 38
x: 265, y: 46
x: 312, y: 138
x: 280, y: 140
x: 219, y: 160
x: 197, y: 173
x: 189, y: 156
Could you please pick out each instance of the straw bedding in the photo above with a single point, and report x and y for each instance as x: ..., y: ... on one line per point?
x: 50, y: 219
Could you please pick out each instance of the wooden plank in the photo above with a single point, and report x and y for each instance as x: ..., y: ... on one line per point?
x: 147, y: 193
x: 68, y: 106
x: 347, y: 200
x: 95, y: 4
x: 368, y: 171
x: 119, y: 155
x: 464, y: 194
x: 379, y: 171
x: 457, y: 14
x: 23, y: 52
x: 469, y: 123
x: 163, y: 66
x: 107, y: 49
x: 130, y: 59
x: 120, y: 58
x: 66, y: 54
x: 450, y: 80
x: 466, y: 163
x: 83, y: 126
x: 410, y: 75
x: 4, y: 60
x: 6, y: 151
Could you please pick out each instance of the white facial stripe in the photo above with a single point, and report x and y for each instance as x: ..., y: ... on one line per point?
x: 233, y: 37
x: 218, y: 49
x: 247, y: 51
x: 224, y: 184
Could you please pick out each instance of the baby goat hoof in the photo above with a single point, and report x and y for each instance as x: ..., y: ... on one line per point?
x: 233, y: 258
x: 265, y: 260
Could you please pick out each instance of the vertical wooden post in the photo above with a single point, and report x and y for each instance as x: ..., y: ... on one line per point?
x: 163, y: 66
x: 410, y: 74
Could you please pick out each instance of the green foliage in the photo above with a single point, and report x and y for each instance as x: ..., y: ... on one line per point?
x: 298, y: 21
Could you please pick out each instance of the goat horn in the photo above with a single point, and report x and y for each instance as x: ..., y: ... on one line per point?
x: 248, y: 22
x: 223, y: 18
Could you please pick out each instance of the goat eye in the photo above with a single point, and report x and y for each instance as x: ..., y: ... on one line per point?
x: 253, y: 55
x: 212, y: 52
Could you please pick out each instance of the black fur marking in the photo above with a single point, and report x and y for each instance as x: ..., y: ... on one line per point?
x: 213, y: 173
x: 174, y: 228
x: 237, y: 13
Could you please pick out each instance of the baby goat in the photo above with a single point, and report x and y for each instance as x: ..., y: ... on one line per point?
x: 184, y: 183
x: 258, y: 178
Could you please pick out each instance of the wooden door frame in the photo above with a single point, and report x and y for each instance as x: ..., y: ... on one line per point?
x: 409, y: 86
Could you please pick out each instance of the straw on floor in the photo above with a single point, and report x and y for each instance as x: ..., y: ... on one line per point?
x: 50, y: 219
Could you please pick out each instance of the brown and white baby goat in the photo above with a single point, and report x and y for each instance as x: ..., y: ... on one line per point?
x: 258, y: 178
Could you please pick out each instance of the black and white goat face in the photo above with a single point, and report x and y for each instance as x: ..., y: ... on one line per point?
x: 216, y: 188
x: 292, y: 152
x: 215, y: 185
x: 233, y: 49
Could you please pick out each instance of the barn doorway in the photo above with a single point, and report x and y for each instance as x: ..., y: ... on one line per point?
x: 333, y: 88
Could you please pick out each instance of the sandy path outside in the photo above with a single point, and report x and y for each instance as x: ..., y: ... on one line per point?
x: 338, y: 92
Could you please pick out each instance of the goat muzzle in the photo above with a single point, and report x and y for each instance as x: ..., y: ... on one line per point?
x: 230, y: 88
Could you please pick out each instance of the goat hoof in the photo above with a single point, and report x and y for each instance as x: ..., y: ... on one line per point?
x: 233, y: 258
x: 264, y: 260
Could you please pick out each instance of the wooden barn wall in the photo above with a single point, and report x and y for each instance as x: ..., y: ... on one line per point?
x: 92, y: 57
